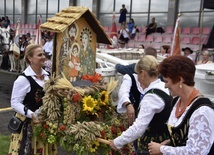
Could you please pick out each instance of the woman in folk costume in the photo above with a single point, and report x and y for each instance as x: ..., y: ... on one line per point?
x: 25, y: 100
x: 154, y: 109
x: 191, y: 120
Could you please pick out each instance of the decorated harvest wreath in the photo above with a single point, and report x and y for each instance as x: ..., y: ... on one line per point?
x: 80, y: 118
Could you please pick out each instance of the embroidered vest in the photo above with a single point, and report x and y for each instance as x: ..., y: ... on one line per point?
x: 134, y: 94
x: 33, y: 99
x: 157, y: 130
x: 179, y: 134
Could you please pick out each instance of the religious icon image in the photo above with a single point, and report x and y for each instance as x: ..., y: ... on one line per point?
x: 74, y: 62
x: 87, y: 56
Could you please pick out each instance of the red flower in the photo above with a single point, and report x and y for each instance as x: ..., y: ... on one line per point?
x: 102, y: 134
x: 76, y: 97
x: 62, y: 128
x: 113, y: 130
x: 125, y: 149
x: 42, y: 135
x: 39, y: 150
x: 122, y: 128
x: 45, y: 126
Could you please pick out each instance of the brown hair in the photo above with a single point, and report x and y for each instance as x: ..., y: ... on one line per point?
x: 29, y: 51
x: 175, y: 67
x: 149, y: 64
x: 150, y: 51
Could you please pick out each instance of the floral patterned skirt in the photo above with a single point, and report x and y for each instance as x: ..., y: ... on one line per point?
x: 37, y: 146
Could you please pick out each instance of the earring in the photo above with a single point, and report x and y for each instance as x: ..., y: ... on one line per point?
x: 180, y: 86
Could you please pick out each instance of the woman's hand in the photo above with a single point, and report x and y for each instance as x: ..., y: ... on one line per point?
x: 130, y: 113
x: 154, y: 148
x: 112, y: 145
x: 35, y: 118
x: 166, y: 142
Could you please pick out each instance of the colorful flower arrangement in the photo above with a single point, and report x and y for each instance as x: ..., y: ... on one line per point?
x: 74, y: 117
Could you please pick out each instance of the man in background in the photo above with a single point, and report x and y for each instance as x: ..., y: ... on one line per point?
x: 129, y: 69
x: 48, y: 46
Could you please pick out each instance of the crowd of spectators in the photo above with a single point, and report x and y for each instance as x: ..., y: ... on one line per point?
x: 23, y: 41
x: 4, y: 21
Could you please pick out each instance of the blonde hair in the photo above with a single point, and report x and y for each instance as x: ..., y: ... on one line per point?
x: 29, y: 51
x: 149, y: 64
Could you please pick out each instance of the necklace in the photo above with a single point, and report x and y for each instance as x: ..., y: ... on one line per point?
x: 179, y: 111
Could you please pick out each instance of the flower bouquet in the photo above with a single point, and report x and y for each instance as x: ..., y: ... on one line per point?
x: 76, y: 118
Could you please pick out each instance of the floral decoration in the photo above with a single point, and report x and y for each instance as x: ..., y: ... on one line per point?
x: 74, y: 117
x: 38, y: 95
x: 93, y: 78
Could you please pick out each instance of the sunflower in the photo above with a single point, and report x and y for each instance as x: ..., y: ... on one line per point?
x: 88, y: 103
x: 94, y: 146
x: 104, y: 97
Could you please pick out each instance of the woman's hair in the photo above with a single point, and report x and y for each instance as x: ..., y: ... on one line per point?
x: 142, y: 46
x: 132, y: 20
x: 149, y: 64
x: 175, y: 67
x: 166, y: 48
x: 29, y: 51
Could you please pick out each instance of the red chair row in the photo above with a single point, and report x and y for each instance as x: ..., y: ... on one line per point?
x: 189, y: 30
x: 195, y: 40
x: 24, y: 31
x: 158, y: 45
x: 196, y: 30
x: 169, y: 38
x: 23, y: 26
x: 170, y: 30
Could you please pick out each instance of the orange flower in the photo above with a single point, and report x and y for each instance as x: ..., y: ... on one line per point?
x: 96, y: 77
x: 62, y: 128
x: 93, y: 78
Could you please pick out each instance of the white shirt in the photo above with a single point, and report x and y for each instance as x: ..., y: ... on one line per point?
x: 21, y: 87
x: 165, y: 55
x: 149, y: 105
x: 190, y: 57
x: 48, y: 47
x: 200, y: 135
x: 125, y: 33
x: 134, y: 30
x: 124, y: 91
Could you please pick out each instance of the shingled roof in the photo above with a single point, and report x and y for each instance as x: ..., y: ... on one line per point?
x: 67, y: 16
